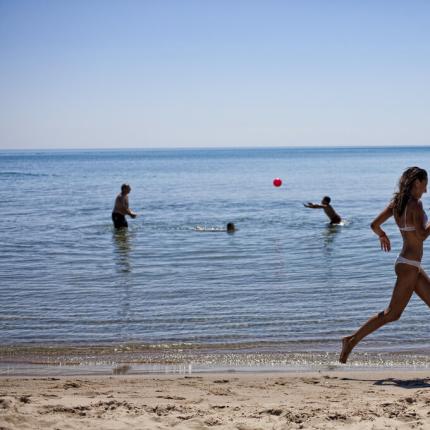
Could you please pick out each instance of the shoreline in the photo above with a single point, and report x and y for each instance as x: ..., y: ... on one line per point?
x: 33, y: 371
x: 228, y: 401
x: 133, y: 359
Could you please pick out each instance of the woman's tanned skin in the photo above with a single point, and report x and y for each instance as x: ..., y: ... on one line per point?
x: 410, y: 279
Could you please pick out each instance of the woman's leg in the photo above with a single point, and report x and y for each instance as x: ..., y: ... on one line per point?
x: 422, y: 287
x: 407, y: 277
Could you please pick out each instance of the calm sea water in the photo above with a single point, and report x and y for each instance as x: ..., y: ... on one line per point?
x: 285, y: 281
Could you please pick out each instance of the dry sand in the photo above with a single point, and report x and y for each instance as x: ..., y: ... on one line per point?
x: 390, y: 399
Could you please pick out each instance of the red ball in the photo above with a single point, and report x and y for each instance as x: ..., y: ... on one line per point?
x: 277, y: 182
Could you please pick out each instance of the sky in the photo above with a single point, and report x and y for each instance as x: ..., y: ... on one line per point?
x: 214, y: 73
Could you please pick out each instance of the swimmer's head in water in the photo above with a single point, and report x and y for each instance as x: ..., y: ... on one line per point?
x: 413, y: 180
x: 230, y: 227
x: 326, y: 200
x: 125, y: 188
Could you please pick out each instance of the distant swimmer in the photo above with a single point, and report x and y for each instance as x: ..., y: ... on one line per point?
x: 328, y: 209
x: 229, y: 228
x: 121, y: 208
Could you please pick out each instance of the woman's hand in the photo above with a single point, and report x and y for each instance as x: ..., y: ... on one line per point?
x: 385, y: 243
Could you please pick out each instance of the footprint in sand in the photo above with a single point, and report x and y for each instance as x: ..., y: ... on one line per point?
x: 212, y: 421
x: 274, y: 411
x: 218, y: 391
x: 25, y: 398
x: 5, y: 404
x: 171, y: 397
x: 71, y: 384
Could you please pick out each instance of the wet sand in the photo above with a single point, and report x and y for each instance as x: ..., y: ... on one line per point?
x: 386, y: 399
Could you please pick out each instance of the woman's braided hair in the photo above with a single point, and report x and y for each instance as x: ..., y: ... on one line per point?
x: 406, y: 181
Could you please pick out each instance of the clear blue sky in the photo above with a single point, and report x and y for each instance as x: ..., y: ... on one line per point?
x: 214, y: 73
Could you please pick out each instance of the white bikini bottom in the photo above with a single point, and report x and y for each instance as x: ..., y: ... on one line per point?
x: 403, y: 260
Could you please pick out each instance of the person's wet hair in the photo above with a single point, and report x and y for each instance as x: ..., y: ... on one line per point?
x: 326, y: 199
x: 230, y: 227
x: 125, y: 187
x: 406, y: 182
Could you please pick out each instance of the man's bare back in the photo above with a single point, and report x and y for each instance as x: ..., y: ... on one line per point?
x: 333, y: 216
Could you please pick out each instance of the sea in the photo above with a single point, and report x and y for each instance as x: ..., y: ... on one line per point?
x: 174, y: 291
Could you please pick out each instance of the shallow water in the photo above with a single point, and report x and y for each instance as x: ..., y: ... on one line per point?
x: 285, y: 278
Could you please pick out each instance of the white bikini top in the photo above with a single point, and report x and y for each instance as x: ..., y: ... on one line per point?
x: 410, y: 227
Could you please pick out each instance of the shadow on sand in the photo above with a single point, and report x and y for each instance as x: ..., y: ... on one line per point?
x: 401, y: 383
x: 405, y: 383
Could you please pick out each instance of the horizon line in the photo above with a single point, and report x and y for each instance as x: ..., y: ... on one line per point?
x: 209, y: 148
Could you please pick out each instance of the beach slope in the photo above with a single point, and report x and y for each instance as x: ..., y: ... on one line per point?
x: 240, y: 401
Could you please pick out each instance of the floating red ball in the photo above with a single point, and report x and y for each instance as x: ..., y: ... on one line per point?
x: 277, y: 182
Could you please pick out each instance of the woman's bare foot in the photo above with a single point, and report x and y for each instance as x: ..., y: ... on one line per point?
x: 346, y: 349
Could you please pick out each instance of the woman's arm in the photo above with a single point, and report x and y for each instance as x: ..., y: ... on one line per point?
x: 376, y: 227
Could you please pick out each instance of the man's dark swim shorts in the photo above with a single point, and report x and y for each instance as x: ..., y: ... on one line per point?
x: 119, y: 220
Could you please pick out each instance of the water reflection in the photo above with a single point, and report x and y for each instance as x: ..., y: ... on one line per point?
x: 329, y: 235
x: 279, y: 262
x: 122, y: 240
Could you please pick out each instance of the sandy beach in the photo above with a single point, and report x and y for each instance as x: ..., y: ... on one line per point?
x: 389, y: 399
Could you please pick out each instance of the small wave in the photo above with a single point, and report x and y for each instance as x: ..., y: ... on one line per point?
x: 212, y: 229
x: 343, y: 223
x: 22, y: 174
x: 145, y: 359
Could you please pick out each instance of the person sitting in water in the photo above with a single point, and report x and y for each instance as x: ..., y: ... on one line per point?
x: 328, y: 209
x: 121, y: 208
x: 230, y: 228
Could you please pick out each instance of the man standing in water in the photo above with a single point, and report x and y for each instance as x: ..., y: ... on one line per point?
x: 328, y: 209
x: 121, y: 208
